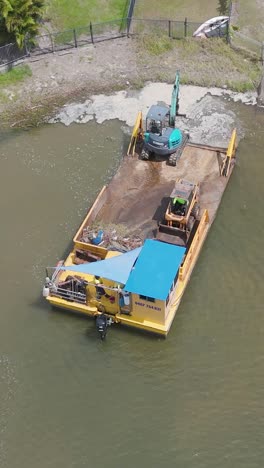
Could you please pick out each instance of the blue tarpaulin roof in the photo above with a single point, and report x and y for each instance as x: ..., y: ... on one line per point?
x: 116, y: 268
x: 155, y: 269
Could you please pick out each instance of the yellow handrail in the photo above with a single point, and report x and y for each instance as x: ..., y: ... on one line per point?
x: 136, y: 133
x: 230, y: 153
x: 193, y: 248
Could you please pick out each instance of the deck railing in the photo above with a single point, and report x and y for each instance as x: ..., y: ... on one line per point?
x: 69, y: 295
x: 192, y: 252
x: 90, y: 218
x: 230, y: 154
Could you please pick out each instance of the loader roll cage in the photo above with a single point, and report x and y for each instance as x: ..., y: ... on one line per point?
x: 178, y: 206
x: 180, y: 200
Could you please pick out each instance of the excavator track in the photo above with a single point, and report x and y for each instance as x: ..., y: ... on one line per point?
x: 145, y: 155
x: 172, y: 161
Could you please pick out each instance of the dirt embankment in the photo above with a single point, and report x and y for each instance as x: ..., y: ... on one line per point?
x: 66, y: 76
x: 109, y: 66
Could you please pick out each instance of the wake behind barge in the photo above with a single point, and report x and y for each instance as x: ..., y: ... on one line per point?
x: 139, y: 281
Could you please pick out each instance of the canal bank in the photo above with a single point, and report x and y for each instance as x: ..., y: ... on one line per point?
x: 129, y: 63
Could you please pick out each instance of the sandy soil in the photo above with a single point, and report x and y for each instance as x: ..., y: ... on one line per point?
x: 140, y: 200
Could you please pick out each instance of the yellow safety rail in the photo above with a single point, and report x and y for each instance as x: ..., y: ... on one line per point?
x: 136, y: 133
x: 230, y: 153
x: 194, y: 248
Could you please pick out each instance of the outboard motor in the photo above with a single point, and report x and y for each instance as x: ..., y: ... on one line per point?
x: 47, y: 287
x: 102, y: 323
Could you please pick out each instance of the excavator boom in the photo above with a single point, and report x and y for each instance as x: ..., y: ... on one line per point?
x: 174, y: 108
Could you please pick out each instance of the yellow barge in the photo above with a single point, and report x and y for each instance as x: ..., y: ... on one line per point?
x: 141, y: 286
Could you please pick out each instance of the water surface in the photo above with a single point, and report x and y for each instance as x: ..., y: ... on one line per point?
x: 69, y: 400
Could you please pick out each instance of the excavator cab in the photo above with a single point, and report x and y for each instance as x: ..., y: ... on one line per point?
x: 160, y: 138
x: 154, y: 126
x: 157, y: 119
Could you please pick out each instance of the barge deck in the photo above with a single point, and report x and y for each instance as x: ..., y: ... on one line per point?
x: 136, y: 198
x: 138, y: 193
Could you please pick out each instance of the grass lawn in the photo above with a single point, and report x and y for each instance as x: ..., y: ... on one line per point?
x: 14, y: 75
x: 66, y: 14
x: 205, y: 63
x: 215, y: 58
x: 194, y: 10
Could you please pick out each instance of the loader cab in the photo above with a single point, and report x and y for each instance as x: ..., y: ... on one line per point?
x: 181, y: 198
x: 178, y: 206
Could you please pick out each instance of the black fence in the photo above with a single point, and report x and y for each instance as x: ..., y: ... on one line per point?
x: 130, y: 12
x: 173, y: 29
x: 72, y: 38
x: 10, y: 53
x: 98, y: 32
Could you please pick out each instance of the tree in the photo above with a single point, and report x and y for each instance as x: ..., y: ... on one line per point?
x: 21, y: 18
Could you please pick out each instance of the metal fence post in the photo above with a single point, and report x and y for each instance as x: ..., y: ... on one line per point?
x: 169, y: 28
x: 127, y: 26
x: 52, y: 43
x: 185, y: 27
x: 75, y: 38
x: 130, y: 12
x: 26, y: 45
x: 227, y: 32
x: 91, y: 32
x: 230, y: 9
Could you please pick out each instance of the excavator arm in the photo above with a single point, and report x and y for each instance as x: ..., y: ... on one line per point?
x: 174, y: 108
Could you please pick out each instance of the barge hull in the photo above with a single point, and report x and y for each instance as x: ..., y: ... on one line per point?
x: 137, y: 198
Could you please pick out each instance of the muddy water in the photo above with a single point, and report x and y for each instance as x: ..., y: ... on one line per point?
x: 68, y: 400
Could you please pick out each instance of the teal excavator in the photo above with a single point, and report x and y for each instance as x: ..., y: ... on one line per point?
x: 161, y: 137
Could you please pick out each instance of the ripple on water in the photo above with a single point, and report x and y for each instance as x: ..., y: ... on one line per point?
x: 8, y: 387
